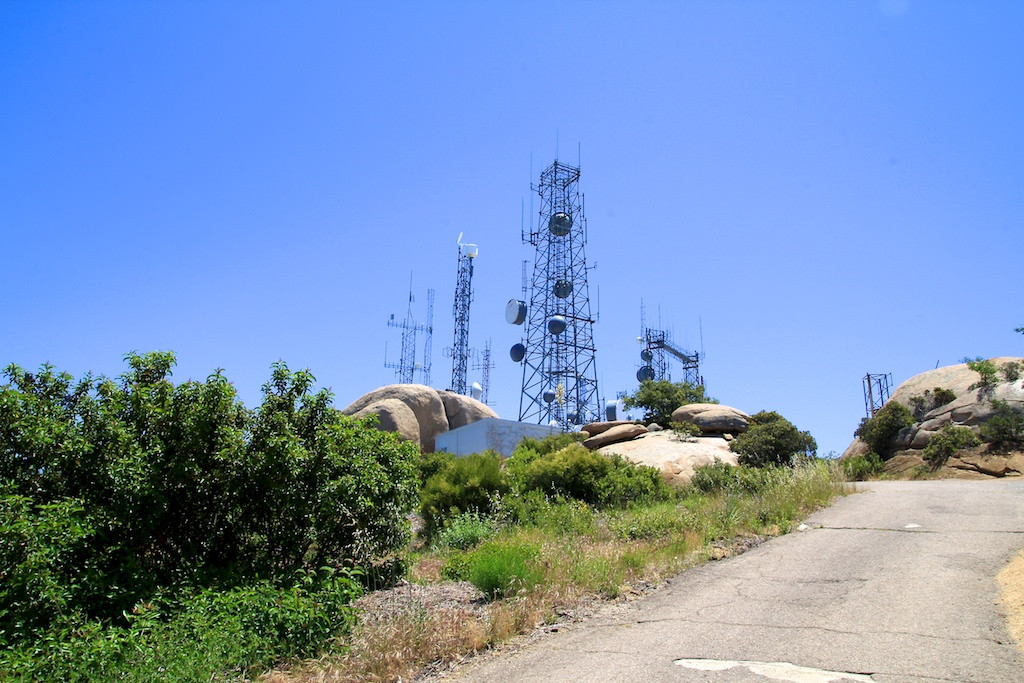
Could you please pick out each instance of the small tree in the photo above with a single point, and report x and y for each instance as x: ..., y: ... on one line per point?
x: 880, y: 431
x: 1005, y: 429
x: 659, y: 398
x: 772, y: 440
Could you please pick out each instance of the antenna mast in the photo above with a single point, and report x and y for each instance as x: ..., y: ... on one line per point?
x: 557, y: 351
x: 460, y: 310
x: 405, y: 368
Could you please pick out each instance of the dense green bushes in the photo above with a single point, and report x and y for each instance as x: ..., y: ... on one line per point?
x: 879, y: 432
x: 115, y: 492
x: 947, y: 441
x: 469, y: 484
x: 1005, y: 429
x: 772, y: 440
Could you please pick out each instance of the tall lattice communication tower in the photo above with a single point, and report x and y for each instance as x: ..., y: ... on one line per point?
x: 460, y: 310
x: 406, y: 367
x: 557, y: 351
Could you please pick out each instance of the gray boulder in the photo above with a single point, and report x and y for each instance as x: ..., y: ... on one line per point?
x: 595, y: 428
x: 712, y: 418
x: 424, y: 402
x: 393, y: 416
x: 463, y: 410
x: 622, y: 432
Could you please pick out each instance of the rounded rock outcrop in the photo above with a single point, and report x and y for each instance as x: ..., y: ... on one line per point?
x: 433, y: 412
x: 712, y: 418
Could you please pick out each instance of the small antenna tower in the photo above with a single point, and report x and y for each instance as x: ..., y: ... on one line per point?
x: 657, y: 347
x: 557, y: 351
x: 876, y: 392
x: 405, y: 368
x: 485, y: 365
x: 460, y: 352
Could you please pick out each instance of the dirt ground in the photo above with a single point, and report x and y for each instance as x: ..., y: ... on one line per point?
x: 1011, y: 583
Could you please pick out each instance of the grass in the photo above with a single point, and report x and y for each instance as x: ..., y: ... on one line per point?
x: 559, y: 556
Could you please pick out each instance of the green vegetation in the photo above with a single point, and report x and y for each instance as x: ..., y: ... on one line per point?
x: 879, y: 432
x: 772, y: 440
x: 659, y: 398
x: 1011, y: 370
x: 862, y: 467
x: 470, y: 484
x: 946, y: 442
x: 987, y: 372
x: 139, y: 515
x: 932, y: 399
x: 1005, y: 429
x: 684, y: 431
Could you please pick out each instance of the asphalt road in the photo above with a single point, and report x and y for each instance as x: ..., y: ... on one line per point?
x: 896, y: 583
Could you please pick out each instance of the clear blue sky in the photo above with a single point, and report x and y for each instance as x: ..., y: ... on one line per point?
x: 832, y: 188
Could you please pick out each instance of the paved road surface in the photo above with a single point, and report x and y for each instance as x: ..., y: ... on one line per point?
x: 895, y: 584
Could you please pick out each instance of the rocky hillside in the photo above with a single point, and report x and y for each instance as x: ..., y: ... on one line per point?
x: 986, y: 397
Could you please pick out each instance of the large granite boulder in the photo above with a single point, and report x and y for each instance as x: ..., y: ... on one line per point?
x: 595, y: 428
x: 433, y: 412
x: 615, y: 434
x: 393, y: 416
x: 675, y: 458
x: 953, y: 395
x: 462, y: 410
x: 712, y: 418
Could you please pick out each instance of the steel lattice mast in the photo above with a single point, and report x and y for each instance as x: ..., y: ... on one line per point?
x: 460, y: 310
x: 558, y: 354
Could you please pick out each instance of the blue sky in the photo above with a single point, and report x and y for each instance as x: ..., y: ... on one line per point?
x: 825, y: 188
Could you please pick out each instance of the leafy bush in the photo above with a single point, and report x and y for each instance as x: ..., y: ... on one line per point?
x: 659, y: 398
x: 497, y: 568
x: 861, y: 467
x: 684, y: 431
x: 947, y: 441
x: 116, y: 492
x: 1005, y: 429
x: 880, y: 431
x: 720, y: 477
x: 987, y: 372
x: 772, y: 440
x: 1011, y: 370
x: 212, y: 635
x: 466, y: 530
x: 468, y: 484
x: 931, y: 400
x: 582, y: 474
x: 557, y: 514
x: 430, y: 464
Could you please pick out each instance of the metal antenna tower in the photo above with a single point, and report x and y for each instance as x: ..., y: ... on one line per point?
x: 876, y: 392
x: 460, y: 310
x: 485, y: 365
x: 557, y: 352
x: 657, y: 347
x: 428, y: 345
x: 406, y: 367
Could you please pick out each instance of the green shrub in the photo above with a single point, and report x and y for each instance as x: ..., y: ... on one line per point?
x: 1005, y: 429
x: 212, y: 635
x: 721, y: 477
x: 557, y: 514
x: 430, y: 464
x: 1011, y: 370
x: 582, y: 474
x: 659, y: 398
x: 772, y: 440
x: 880, y: 431
x: 987, y: 372
x: 498, y: 568
x: 931, y: 400
x: 164, y: 485
x: 651, y: 521
x: 947, y: 441
x: 861, y: 467
x: 684, y: 431
x: 467, y: 484
x: 466, y: 530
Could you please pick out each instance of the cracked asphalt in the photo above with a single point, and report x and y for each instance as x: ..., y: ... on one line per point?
x: 896, y: 583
